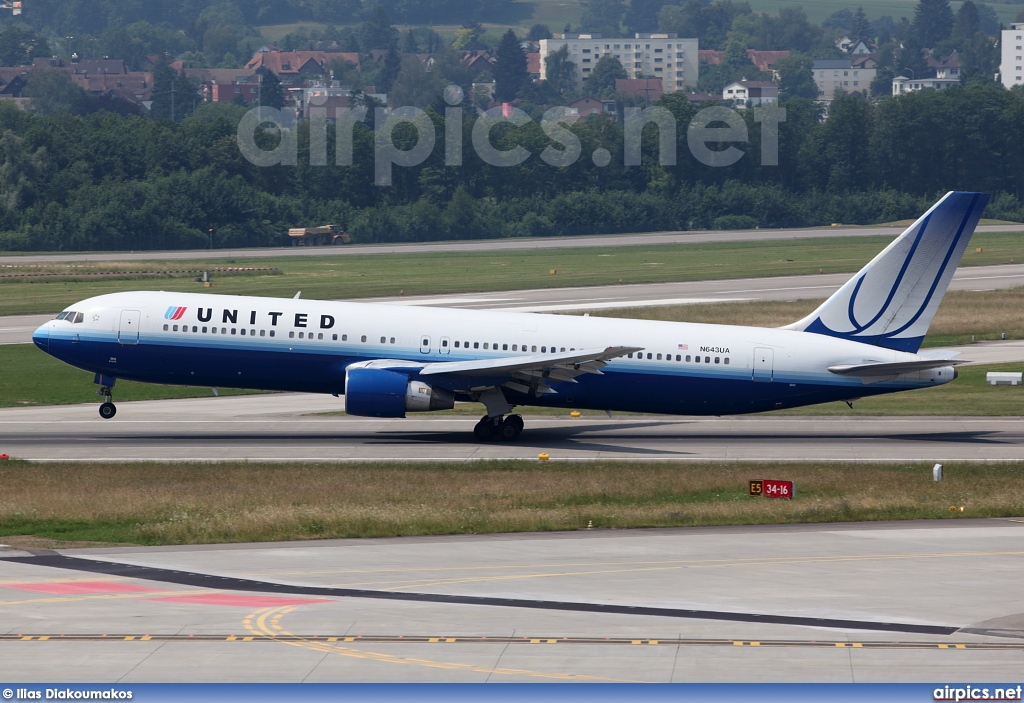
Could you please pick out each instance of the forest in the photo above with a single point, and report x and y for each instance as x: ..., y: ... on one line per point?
x: 109, y: 182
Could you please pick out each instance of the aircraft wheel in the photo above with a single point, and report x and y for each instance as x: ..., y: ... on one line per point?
x: 108, y: 410
x: 511, y: 428
x: 484, y: 430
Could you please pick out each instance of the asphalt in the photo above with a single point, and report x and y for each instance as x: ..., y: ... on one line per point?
x: 18, y: 329
x: 915, y: 601
x: 283, y: 427
x: 606, y: 240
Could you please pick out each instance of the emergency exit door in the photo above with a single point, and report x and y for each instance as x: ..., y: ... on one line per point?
x: 128, y: 332
x: 764, y: 360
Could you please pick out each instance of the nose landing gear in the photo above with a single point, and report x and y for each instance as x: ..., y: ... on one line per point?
x: 107, y: 409
x: 505, y: 429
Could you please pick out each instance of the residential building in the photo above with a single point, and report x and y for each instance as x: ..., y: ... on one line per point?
x: 648, y: 90
x: 333, y: 96
x: 1011, y: 66
x: 589, y: 105
x: 948, y: 67
x: 841, y: 74
x: 753, y: 93
x: 762, y: 60
x: 289, y: 65
x: 902, y: 84
x: 664, y: 56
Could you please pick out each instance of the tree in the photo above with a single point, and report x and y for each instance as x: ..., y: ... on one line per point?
x: 560, y: 72
x: 510, y: 73
x: 861, y: 28
x: 841, y: 20
x: 271, y: 92
x: 174, y: 93
x: 933, y: 22
x: 19, y: 46
x: 409, y: 45
x: 389, y: 71
x: 53, y: 92
x: 642, y: 15
x: 377, y: 32
x: 414, y: 85
x: 538, y: 32
x: 603, y: 16
x: 602, y: 78
x: 796, y: 77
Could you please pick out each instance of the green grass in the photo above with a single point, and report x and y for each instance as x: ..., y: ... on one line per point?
x: 188, y: 503
x: 31, y: 377
x: 348, y: 277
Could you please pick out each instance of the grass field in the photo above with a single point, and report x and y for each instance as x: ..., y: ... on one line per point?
x: 65, y: 504
x: 344, y: 277
x: 31, y: 377
x: 557, y: 13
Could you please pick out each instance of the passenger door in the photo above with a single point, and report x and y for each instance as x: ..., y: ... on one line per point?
x: 128, y: 331
x: 764, y: 360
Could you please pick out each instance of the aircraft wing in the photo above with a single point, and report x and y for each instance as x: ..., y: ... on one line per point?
x: 525, y: 372
x: 874, y: 370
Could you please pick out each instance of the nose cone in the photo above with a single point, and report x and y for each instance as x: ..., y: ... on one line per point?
x: 41, y: 337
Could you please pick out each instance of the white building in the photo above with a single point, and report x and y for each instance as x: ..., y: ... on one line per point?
x: 902, y: 84
x: 664, y: 56
x: 1011, y: 66
x: 753, y: 93
x: 831, y: 75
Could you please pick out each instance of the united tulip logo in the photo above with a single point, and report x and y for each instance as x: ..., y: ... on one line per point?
x: 174, y: 313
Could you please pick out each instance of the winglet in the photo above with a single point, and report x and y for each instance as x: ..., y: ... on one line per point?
x: 891, y: 302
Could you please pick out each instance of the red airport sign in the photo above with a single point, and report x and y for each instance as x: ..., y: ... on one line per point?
x: 772, y: 488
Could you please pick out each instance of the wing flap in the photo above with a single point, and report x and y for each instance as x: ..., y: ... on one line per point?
x: 566, y: 365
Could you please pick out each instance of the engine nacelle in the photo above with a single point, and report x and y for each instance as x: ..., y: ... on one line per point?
x: 385, y: 393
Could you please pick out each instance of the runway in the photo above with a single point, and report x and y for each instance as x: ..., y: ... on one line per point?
x: 17, y: 329
x: 916, y: 601
x: 519, y: 244
x: 280, y: 427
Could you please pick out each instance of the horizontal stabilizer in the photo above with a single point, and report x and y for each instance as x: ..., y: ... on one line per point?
x: 894, y: 368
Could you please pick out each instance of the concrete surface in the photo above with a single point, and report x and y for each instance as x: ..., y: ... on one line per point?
x: 526, y: 243
x: 279, y: 427
x: 960, y: 575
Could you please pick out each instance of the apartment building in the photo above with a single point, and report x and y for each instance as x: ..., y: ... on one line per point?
x: 663, y: 56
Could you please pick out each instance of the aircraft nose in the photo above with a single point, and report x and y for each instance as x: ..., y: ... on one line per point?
x: 41, y: 336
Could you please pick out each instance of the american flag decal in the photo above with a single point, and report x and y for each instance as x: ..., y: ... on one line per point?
x: 684, y: 347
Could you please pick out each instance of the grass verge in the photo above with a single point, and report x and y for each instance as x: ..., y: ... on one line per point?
x: 31, y: 377
x: 349, y: 277
x: 192, y: 503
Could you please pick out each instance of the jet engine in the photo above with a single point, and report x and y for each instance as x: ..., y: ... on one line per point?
x: 384, y: 393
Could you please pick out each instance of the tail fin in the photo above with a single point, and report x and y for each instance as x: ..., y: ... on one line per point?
x: 893, y: 299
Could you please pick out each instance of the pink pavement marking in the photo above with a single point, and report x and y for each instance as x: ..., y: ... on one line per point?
x: 81, y: 587
x: 239, y: 600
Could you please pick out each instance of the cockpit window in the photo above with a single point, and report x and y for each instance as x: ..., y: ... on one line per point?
x: 79, y: 317
x: 62, y: 315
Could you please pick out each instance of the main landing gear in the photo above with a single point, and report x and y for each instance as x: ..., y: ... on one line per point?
x: 107, y: 409
x: 504, y: 429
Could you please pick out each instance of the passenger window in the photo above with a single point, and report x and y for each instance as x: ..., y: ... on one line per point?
x: 344, y: 337
x: 543, y: 350
x: 291, y: 335
x: 393, y: 341
x: 678, y: 358
x: 271, y: 333
x: 334, y: 338
x: 383, y: 340
x: 363, y: 338
x: 494, y: 346
x: 263, y: 333
x: 243, y: 331
x: 476, y: 345
x: 726, y: 361
x: 232, y: 330
x: 485, y: 345
x: 165, y: 328
x: 252, y: 333
x: 630, y: 355
x: 444, y: 342
x: 696, y: 359
x: 514, y: 347
x: 707, y: 359
x: 302, y: 335
x: 456, y: 345
x: 563, y: 349
x: 687, y: 357
x: 504, y: 347
x: 175, y: 328
x: 223, y: 330
x: 320, y: 335
x: 716, y: 359
x: 649, y: 355
x: 533, y: 348
x: 194, y: 328
x: 204, y: 330
x: 659, y: 357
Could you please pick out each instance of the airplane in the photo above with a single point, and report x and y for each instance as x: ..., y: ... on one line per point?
x: 389, y: 360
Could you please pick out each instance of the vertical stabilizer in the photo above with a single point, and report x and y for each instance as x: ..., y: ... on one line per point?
x: 892, y: 300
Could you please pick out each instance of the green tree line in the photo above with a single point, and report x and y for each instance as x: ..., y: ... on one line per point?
x: 103, y: 181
